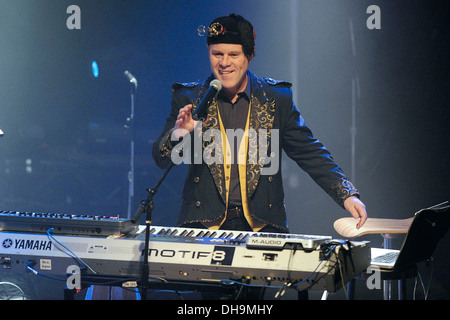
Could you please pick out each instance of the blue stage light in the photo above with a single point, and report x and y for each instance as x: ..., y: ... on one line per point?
x: 95, y: 70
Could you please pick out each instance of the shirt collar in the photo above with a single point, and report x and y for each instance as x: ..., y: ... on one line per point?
x: 246, y: 93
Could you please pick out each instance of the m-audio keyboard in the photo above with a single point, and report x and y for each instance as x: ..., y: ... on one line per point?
x: 193, y: 255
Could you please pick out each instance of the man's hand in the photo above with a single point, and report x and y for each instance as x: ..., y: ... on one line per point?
x: 357, y: 209
x: 185, y: 123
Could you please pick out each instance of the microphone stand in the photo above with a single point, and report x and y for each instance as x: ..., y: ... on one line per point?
x: 130, y: 126
x: 353, y: 129
x: 147, y: 206
x: 355, y: 97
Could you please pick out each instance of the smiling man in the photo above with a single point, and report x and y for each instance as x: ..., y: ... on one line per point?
x: 235, y: 193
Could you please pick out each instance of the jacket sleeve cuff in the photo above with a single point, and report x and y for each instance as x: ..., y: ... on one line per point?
x: 166, y: 145
x: 343, y: 190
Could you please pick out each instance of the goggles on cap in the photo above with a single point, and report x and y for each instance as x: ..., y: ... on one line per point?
x: 216, y: 29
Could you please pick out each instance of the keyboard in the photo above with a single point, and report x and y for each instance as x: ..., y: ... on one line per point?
x: 389, y: 257
x: 58, y: 223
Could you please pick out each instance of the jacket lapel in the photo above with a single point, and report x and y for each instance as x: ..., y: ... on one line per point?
x: 261, y: 120
x: 212, y: 147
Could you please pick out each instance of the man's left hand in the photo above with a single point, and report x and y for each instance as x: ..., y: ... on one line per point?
x: 357, y: 209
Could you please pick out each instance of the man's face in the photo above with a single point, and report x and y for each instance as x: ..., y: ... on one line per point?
x: 229, y: 64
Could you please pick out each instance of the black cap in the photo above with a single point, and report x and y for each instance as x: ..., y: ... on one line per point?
x: 232, y: 29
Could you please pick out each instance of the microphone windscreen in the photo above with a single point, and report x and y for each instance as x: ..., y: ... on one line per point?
x: 216, y: 84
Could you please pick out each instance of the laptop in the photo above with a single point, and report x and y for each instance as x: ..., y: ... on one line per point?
x: 427, y: 228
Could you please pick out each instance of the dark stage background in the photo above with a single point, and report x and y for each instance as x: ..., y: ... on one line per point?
x: 66, y: 150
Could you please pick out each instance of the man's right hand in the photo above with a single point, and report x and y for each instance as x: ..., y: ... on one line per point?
x: 184, y: 121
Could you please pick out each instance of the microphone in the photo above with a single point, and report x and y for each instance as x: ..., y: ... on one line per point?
x: 130, y: 78
x: 202, y: 109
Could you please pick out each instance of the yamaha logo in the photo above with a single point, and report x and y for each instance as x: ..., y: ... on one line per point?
x: 7, y: 243
x: 27, y: 244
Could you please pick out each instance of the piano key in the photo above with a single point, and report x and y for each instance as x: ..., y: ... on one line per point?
x: 190, y: 234
x: 182, y: 234
x: 200, y: 234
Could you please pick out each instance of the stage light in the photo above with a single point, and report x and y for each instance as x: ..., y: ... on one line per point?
x: 95, y: 69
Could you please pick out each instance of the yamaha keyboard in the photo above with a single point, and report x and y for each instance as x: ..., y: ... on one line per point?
x: 192, y: 255
x: 70, y: 224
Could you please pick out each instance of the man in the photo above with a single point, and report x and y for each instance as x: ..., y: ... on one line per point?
x: 237, y: 185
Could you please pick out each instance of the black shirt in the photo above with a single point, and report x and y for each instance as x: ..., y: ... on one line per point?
x: 234, y: 116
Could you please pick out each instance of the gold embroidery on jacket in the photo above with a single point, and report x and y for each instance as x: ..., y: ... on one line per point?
x: 261, y: 118
x: 216, y: 167
x: 343, y: 190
